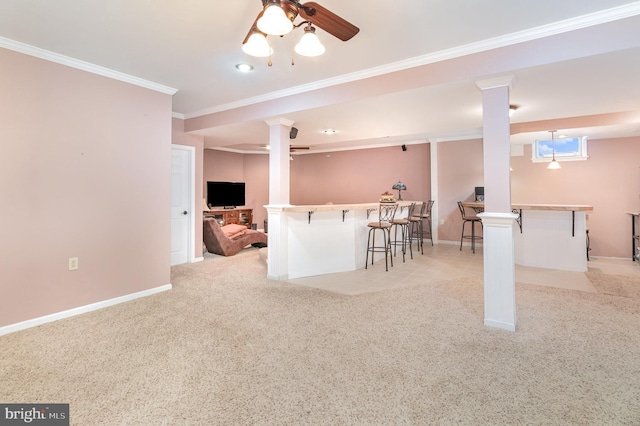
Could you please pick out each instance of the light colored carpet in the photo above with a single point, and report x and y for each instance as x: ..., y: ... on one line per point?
x: 228, y: 347
x: 615, y: 285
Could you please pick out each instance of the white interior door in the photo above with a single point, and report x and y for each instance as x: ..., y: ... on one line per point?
x: 182, y: 201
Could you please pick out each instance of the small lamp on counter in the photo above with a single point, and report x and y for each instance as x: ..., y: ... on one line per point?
x: 400, y: 187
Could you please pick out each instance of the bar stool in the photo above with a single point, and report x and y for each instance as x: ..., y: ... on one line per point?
x: 469, y: 219
x: 404, y: 224
x: 427, y: 215
x: 417, y: 229
x: 386, y: 213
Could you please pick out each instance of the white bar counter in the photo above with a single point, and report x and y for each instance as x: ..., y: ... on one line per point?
x: 551, y: 236
x: 320, y: 239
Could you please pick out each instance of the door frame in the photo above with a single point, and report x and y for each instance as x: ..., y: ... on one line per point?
x: 191, y: 196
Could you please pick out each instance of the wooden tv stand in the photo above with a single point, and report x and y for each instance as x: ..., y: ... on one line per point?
x: 228, y: 216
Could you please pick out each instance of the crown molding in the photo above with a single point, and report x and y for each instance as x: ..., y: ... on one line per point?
x: 82, y: 65
x: 492, y: 83
x: 567, y: 25
x: 279, y: 121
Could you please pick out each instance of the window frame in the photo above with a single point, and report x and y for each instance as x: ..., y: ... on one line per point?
x: 543, y: 150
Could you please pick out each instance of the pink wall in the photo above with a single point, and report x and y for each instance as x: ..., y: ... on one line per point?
x: 179, y: 137
x: 222, y: 166
x: 360, y: 176
x: 252, y: 169
x: 337, y: 177
x: 460, y: 167
x: 256, y: 175
x: 84, y: 172
x: 609, y: 181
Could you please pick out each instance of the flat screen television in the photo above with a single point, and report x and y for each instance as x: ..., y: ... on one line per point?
x: 225, y: 194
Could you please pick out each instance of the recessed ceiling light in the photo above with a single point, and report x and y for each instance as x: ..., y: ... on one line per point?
x: 244, y: 67
x: 328, y: 131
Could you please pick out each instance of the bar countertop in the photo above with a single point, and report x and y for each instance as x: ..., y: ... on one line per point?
x: 338, y: 207
x: 556, y: 207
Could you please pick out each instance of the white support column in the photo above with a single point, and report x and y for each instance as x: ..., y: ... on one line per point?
x: 279, y: 188
x: 497, y: 220
x: 496, y: 145
x: 279, y: 177
x: 435, y: 195
x: 499, y: 270
x: 277, y: 244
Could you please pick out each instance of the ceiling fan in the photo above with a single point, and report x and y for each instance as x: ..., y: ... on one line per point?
x: 276, y: 19
x: 292, y: 148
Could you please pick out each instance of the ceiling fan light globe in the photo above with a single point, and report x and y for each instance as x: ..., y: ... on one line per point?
x: 309, y: 45
x: 258, y: 46
x: 274, y: 21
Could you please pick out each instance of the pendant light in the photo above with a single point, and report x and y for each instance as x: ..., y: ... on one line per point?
x: 553, y: 165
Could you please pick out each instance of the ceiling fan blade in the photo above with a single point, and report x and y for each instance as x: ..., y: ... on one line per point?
x: 328, y: 21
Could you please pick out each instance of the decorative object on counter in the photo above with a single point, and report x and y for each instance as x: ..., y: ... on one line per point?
x: 400, y: 187
x: 553, y: 165
x: 387, y: 197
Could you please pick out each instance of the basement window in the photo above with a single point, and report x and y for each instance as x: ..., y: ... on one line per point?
x: 564, y: 149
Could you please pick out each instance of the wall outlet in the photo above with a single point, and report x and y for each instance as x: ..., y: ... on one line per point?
x: 73, y: 263
x: 441, y: 221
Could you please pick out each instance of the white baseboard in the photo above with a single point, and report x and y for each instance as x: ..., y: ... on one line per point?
x: 80, y: 310
x: 500, y: 324
x: 457, y: 243
x: 197, y: 259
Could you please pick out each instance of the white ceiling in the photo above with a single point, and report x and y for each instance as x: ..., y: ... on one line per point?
x: 390, y: 84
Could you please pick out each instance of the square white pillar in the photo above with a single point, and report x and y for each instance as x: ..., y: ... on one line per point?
x: 277, y: 244
x: 499, y: 270
x: 497, y: 220
x: 279, y: 167
x: 279, y: 189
